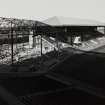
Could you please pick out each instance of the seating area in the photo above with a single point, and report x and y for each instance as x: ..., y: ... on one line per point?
x: 91, y: 40
x: 92, y: 44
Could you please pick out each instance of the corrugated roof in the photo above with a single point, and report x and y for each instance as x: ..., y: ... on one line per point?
x: 66, y: 21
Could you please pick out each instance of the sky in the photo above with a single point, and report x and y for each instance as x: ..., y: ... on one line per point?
x: 43, y: 9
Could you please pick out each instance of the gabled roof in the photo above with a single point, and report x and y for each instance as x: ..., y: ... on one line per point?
x: 65, y: 21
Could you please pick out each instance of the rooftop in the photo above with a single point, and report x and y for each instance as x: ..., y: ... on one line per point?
x: 68, y: 21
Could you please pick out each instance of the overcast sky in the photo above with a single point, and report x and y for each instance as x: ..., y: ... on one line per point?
x: 42, y: 9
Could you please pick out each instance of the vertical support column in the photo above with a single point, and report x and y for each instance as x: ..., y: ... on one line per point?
x: 23, y: 37
x: 81, y: 36
x: 11, y: 44
x: 70, y: 37
x: 16, y: 39
x: 34, y: 34
x: 31, y: 39
x: 57, y: 44
x: 104, y: 30
x: 33, y: 29
x: 8, y: 42
x: 71, y: 40
x: 65, y: 30
x: 41, y: 46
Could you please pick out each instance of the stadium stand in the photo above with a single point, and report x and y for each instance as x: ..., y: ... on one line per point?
x: 92, y: 44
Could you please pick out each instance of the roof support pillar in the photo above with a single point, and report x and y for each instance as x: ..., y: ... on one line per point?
x: 34, y: 34
x: 81, y: 36
x: 34, y: 38
x: 71, y: 39
x: 12, y: 44
x: 104, y: 30
x: 57, y: 41
x: 41, y: 45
